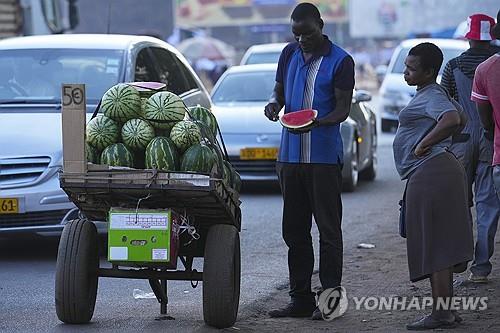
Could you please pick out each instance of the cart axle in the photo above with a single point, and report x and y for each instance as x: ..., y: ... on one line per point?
x: 150, y: 274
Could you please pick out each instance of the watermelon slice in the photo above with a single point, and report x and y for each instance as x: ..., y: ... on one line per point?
x: 298, y: 119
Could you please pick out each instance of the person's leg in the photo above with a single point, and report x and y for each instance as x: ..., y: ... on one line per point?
x: 297, y: 222
x: 488, y: 213
x: 442, y: 293
x: 324, y: 185
x: 496, y: 179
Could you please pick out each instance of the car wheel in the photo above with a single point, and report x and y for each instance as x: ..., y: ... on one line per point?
x: 351, y: 182
x: 371, y: 170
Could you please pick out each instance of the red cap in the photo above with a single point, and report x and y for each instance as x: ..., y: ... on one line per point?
x: 479, y: 27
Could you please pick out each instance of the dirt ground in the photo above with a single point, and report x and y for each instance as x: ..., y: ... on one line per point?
x: 377, y: 272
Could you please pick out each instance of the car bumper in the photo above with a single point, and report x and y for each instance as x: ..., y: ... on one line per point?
x: 44, y: 209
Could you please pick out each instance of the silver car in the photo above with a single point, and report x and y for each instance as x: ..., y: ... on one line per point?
x: 394, y: 92
x: 32, y: 70
x: 252, y: 141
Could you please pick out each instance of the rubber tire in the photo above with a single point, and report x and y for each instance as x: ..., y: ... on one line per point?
x: 371, y: 171
x: 76, y: 272
x: 350, y: 184
x: 221, y: 276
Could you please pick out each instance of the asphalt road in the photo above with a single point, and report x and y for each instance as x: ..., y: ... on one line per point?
x: 27, y: 266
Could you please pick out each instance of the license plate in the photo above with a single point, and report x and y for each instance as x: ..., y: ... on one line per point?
x: 259, y: 153
x: 9, y: 206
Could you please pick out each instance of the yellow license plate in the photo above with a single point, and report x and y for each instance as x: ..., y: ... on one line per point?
x: 9, y: 206
x: 259, y: 153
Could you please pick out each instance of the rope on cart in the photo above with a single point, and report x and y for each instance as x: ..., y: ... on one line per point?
x: 186, y: 226
x: 138, y: 204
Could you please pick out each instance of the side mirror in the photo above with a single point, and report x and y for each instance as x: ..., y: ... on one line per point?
x: 361, y: 96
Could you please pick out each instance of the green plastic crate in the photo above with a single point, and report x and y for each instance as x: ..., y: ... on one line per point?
x: 145, y: 237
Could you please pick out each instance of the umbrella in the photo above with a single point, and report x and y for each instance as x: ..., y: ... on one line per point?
x: 206, y: 48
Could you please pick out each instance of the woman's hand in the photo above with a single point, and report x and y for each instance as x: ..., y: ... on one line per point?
x: 421, y: 150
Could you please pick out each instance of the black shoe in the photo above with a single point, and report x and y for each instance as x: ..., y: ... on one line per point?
x: 293, y: 309
x: 429, y: 323
x: 317, y: 315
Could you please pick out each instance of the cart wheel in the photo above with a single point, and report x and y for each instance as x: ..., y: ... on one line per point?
x: 221, y: 276
x: 76, y: 272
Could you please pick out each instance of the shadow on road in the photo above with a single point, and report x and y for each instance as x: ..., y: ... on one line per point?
x: 21, y: 247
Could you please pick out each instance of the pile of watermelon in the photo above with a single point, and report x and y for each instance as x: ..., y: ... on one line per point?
x: 153, y: 129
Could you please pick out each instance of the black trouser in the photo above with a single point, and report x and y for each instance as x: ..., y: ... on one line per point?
x: 312, y: 189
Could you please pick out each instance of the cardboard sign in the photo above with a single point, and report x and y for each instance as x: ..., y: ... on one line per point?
x: 73, y: 127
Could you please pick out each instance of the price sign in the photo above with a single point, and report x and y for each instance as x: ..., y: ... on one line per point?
x: 73, y: 96
x: 73, y: 127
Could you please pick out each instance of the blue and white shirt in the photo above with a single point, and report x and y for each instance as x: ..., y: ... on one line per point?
x: 311, y: 85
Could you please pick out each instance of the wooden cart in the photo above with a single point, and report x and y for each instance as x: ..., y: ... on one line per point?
x: 214, y: 219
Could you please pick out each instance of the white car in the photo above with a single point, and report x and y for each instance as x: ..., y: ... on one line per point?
x: 252, y: 141
x: 263, y: 54
x: 32, y: 70
x: 395, y: 93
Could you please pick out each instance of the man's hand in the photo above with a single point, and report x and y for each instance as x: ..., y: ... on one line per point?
x: 421, y: 151
x: 306, y: 129
x: 271, y: 111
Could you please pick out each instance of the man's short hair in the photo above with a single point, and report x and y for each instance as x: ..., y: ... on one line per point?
x: 305, y: 10
x: 431, y: 57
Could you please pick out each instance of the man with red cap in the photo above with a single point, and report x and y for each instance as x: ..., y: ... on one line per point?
x: 475, y: 148
x: 486, y: 94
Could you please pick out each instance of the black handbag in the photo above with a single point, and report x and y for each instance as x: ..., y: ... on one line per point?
x: 402, y: 213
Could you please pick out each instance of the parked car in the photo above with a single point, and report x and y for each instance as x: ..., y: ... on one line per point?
x: 252, y: 140
x: 32, y: 70
x: 394, y: 92
x: 263, y: 54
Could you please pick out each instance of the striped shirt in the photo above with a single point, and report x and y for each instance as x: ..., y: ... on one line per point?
x: 311, y: 85
x: 467, y: 63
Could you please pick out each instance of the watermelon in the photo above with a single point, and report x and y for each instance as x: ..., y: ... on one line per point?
x: 198, y: 158
x: 236, y: 181
x: 298, y: 119
x: 163, y: 109
x: 185, y: 134
x: 148, y: 89
x: 102, y: 132
x: 162, y: 154
x: 91, y: 153
x: 117, y: 155
x: 228, y: 175
x: 137, y: 133
x: 219, y: 159
x: 121, y: 103
x: 144, y: 101
x: 204, y: 116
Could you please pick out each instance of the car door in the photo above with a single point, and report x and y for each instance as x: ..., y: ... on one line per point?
x: 361, y: 117
x: 178, y: 78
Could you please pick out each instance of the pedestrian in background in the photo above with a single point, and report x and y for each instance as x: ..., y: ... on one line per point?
x: 438, y: 233
x: 486, y: 94
x: 312, y: 73
x: 476, y: 153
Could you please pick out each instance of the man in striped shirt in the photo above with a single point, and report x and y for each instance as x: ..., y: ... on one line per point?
x: 476, y: 153
x: 313, y: 73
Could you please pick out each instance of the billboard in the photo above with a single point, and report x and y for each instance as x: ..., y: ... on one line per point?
x: 209, y: 13
x: 400, y: 18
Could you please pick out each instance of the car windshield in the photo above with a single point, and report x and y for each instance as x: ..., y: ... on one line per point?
x: 448, y: 53
x: 245, y: 87
x: 35, y: 75
x: 263, y: 58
